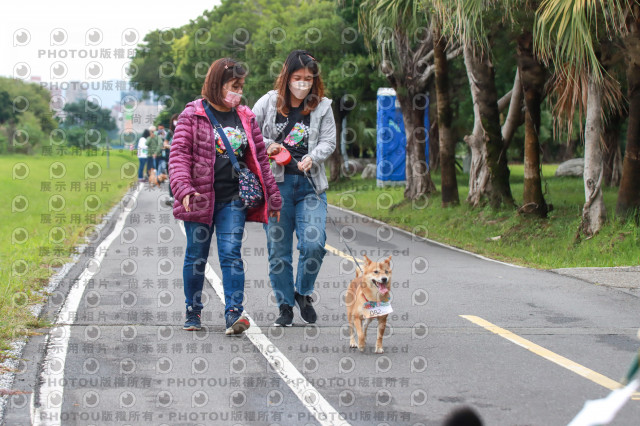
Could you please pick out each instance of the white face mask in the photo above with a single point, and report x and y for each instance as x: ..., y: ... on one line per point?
x: 300, y: 89
x: 175, y: 123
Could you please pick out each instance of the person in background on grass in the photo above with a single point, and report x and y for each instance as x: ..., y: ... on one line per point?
x: 167, y: 149
x: 142, y: 155
x: 299, y: 97
x: 206, y: 187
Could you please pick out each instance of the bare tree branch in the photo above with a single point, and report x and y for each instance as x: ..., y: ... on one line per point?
x: 515, y: 117
x: 454, y: 53
x: 504, y: 101
x: 426, y: 58
x: 426, y: 75
x: 430, y: 70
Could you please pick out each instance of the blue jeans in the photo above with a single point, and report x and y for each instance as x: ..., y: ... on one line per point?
x: 228, y: 223
x: 162, y: 165
x: 303, y: 213
x: 143, y: 162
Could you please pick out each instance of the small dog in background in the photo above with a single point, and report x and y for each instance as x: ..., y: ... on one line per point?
x: 367, y: 298
x: 153, y: 177
x: 162, y: 177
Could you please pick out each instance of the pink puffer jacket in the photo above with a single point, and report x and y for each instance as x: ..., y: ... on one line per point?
x: 191, y: 165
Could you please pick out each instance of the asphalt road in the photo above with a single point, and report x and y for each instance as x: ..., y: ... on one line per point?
x: 119, y: 354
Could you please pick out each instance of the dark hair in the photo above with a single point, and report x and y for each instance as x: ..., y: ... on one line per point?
x: 146, y: 133
x: 220, y: 71
x: 464, y: 416
x: 297, y: 60
x: 172, y: 126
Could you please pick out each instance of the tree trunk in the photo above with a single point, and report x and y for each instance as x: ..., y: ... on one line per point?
x: 445, y: 117
x: 417, y: 173
x: 629, y: 193
x: 434, y: 145
x: 335, y: 159
x: 593, y: 212
x: 514, y: 115
x: 532, y: 76
x: 612, y: 154
x: 489, y: 175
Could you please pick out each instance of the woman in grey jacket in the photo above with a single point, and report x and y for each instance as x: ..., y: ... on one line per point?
x: 311, y: 137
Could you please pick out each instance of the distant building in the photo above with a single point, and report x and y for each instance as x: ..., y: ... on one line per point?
x: 75, y: 92
x: 138, y: 113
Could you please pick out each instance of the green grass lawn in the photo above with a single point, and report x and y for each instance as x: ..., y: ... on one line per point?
x: 49, y: 204
x: 540, y: 243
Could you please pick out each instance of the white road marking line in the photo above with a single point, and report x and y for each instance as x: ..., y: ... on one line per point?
x: 312, y: 400
x: 48, y: 411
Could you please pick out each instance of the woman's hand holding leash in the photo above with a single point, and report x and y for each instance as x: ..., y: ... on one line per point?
x: 274, y: 148
x: 305, y: 164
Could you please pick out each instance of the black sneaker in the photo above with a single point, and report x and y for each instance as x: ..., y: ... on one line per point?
x: 236, y: 322
x: 193, y: 320
x: 305, y: 303
x: 286, y: 316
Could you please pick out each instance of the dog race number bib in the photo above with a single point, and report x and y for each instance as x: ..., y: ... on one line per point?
x: 377, y: 309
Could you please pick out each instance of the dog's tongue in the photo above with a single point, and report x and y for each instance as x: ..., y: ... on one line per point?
x: 383, y: 289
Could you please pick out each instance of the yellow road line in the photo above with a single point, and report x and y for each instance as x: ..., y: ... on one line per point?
x: 547, y: 354
x: 337, y: 252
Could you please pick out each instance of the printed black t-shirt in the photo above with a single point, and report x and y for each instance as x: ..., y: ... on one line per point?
x: 297, y: 141
x: 225, y: 185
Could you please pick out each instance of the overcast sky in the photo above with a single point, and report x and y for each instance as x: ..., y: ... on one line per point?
x: 40, y: 38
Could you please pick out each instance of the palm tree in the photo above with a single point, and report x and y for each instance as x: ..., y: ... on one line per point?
x: 566, y: 36
x: 629, y: 193
x: 401, y: 42
x: 533, y: 76
x: 447, y: 144
x: 489, y: 174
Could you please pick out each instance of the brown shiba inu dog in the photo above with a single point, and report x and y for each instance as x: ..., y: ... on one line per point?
x: 153, y: 177
x: 162, y: 177
x: 367, y: 298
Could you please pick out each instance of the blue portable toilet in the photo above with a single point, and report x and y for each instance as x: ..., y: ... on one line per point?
x: 391, y: 140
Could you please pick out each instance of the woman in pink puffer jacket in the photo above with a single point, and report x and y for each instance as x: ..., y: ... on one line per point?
x: 205, y: 188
